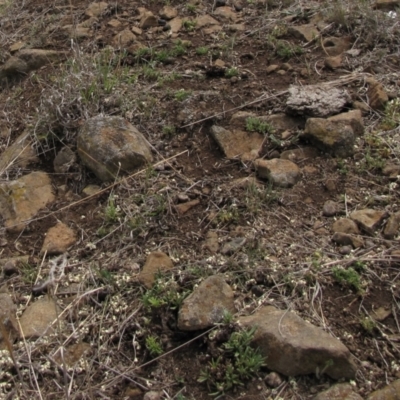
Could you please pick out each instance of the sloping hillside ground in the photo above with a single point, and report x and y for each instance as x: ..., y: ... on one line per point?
x: 180, y: 72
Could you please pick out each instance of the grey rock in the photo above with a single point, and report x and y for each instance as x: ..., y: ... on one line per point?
x: 345, y: 225
x: 273, y: 379
x: 316, y: 101
x: 368, y: 219
x: 233, y: 246
x: 111, y: 146
x: 294, y: 347
x: 330, y: 208
x: 340, y: 391
x: 64, y: 160
x: 206, y: 305
x: 283, y: 173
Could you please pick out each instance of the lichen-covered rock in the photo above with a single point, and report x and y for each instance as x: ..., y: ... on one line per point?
x: 111, y: 146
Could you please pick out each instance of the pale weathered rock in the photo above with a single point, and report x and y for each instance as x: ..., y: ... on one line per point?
x: 156, y: 262
x: 64, y: 160
x: 389, y: 392
x: 392, y: 226
x: 124, y: 38
x: 19, y: 155
x: 91, y: 190
x: 237, y: 143
x: 272, y: 68
x: 273, y: 379
x: 301, y: 154
x: 58, y: 239
x: 153, y: 395
x: 206, y: 305
x: 233, y: 246
x: 330, y: 208
x: 175, y: 24
x: 345, y: 239
x: 168, y: 12
x: 334, y: 137
x: 7, y: 318
x: 211, y: 242
x: 111, y: 146
x: 377, y: 96
x: 316, y: 100
x: 96, y: 9
x: 21, y: 200
x: 336, y: 45
x: 333, y: 62
x: 306, y: 32
x: 226, y: 13
x: 340, y: 391
x: 148, y: 20
x: 37, y: 319
x: 368, y: 220
x: 295, y: 347
x: 204, y: 21
x: 283, y: 173
x: 114, y: 23
x: 352, y: 118
x: 345, y: 225
x: 183, y: 208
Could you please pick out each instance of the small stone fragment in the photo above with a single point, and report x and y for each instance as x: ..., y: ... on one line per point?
x: 345, y: 239
x: 345, y: 225
x: 183, y: 208
x: 156, y: 262
x: 392, y: 226
x: 233, y: 246
x: 381, y: 313
x: 377, y: 95
x: 368, y: 220
x: 340, y: 391
x: 168, y: 12
x: 283, y: 173
x: 58, y: 239
x: 273, y: 379
x: 211, y: 242
x: 306, y: 32
x: 330, y: 208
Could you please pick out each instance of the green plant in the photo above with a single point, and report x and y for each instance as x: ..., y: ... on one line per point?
x: 191, y: 8
x: 150, y: 73
x: 182, y: 94
x: 349, y: 278
x: 112, y: 211
x: 238, y: 363
x: 180, y: 48
x: 342, y: 167
x: 189, y: 25
x: 391, y: 118
x: 231, y: 72
x: 202, y: 50
x: 254, y: 124
x: 258, y: 196
x: 286, y: 50
x: 368, y: 324
x: 228, y: 215
x: 168, y: 131
x: 153, y: 346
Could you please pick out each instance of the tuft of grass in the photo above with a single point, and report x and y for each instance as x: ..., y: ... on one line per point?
x: 112, y: 211
x: 154, y: 346
x: 348, y: 278
x: 189, y: 25
x: 202, y: 50
x: 254, y: 124
x: 182, y: 94
x: 168, y: 131
x: 231, y: 72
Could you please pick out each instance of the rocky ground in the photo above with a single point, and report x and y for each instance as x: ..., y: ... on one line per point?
x: 199, y: 198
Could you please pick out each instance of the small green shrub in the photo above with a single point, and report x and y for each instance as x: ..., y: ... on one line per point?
x: 231, y: 72
x: 348, y: 278
x: 202, y: 51
x: 182, y: 94
x: 254, y: 124
x: 153, y: 346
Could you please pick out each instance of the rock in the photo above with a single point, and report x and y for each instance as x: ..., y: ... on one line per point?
x: 175, y: 24
x: 392, y: 226
x: 58, y: 239
x: 368, y: 220
x: 344, y: 239
x: 211, y: 242
x: 336, y: 45
x: 77, y: 32
x: 28, y: 60
x: 283, y: 173
x: 37, y: 318
x: 306, y: 32
x: 340, y: 391
x: 316, y: 101
x: 17, y: 46
x: 206, y: 305
x: 111, y: 146
x: 91, y: 190
x: 153, y: 395
x: 7, y: 318
x: 96, y: 9
x: 377, y: 96
x: 330, y: 185
x: 294, y: 347
x: 334, y: 62
x: 148, y: 20
x: 391, y: 170
x: 226, y: 13
x: 299, y: 155
x: 282, y: 122
x: 22, y: 199
x: 204, y: 21
x: 381, y: 313
x: 183, y: 208
x: 272, y: 68
x: 387, y: 4
x: 11, y: 265
x: 330, y: 208
x: 114, y: 23
x: 19, y: 155
x: 156, y: 262
x: 334, y: 137
x: 64, y: 160
x: 273, y: 380
x: 238, y: 143
x: 124, y: 38
x: 72, y: 354
x: 352, y: 118
x: 345, y: 225
x: 345, y: 250
x: 389, y: 392
x: 233, y: 246
x: 168, y: 12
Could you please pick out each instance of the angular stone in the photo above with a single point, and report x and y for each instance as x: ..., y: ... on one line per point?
x: 205, y: 20
x: 37, y: 318
x: 211, y: 242
x: 334, y: 137
x: 168, y: 12
x: 340, y: 391
x: 392, y: 226
x: 58, y: 239
x: 294, y: 347
x: 345, y: 225
x: 156, y: 262
x: 352, y: 118
x: 114, y: 23
x: 337, y: 45
x: 345, y: 239
x: 330, y: 208
x: 124, y: 38
x: 64, y: 160
x: 148, y: 20
x: 96, y: 9
x: 377, y: 95
x: 111, y: 146
x: 301, y: 154
x: 316, y: 100
x: 237, y: 143
x: 226, y: 13
x: 306, y: 32
x: 22, y: 199
x: 283, y: 173
x: 368, y: 220
x: 91, y: 190
x: 389, y: 392
x: 333, y: 62
x: 185, y: 207
x: 206, y: 305
x: 175, y: 24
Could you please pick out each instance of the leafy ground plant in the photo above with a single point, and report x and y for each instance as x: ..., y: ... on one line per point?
x: 238, y: 363
x: 254, y: 124
x: 348, y: 278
